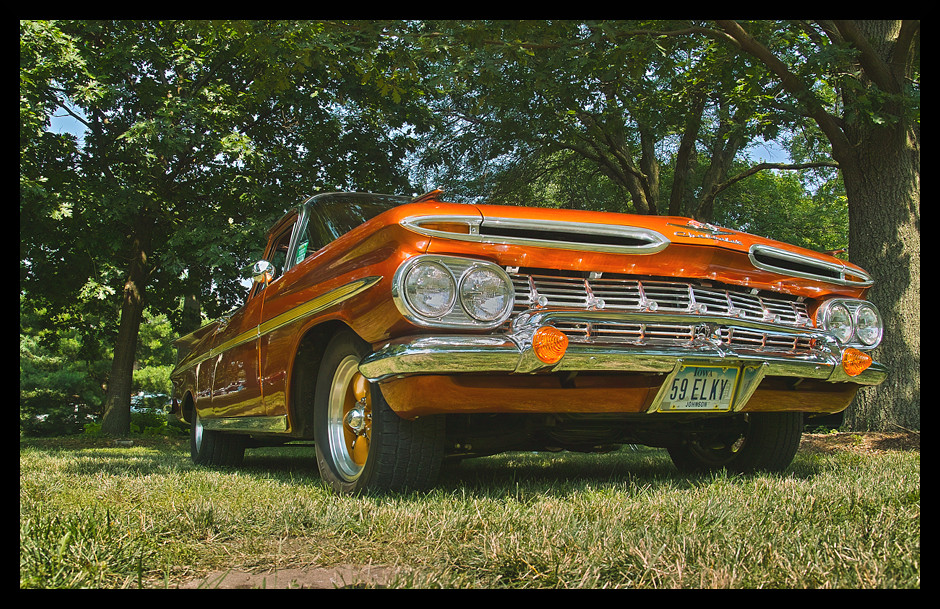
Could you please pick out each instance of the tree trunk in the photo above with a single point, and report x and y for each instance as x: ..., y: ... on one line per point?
x: 883, y: 189
x: 882, y: 183
x: 117, y: 413
x: 686, y: 153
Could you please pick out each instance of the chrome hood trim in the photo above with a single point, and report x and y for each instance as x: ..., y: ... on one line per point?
x: 784, y: 262
x: 581, y: 236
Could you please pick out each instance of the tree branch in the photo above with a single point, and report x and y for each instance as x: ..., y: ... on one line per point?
x: 717, y: 188
x: 827, y: 123
x: 874, y: 67
x: 900, y: 59
x: 760, y: 167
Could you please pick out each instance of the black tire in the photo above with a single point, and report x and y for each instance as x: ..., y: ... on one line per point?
x: 214, y: 448
x: 768, y: 443
x: 361, y: 444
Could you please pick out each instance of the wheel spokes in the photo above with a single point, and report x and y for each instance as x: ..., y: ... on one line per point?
x: 357, y: 420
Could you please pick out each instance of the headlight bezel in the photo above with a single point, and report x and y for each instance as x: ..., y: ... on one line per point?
x: 850, y: 310
x: 457, y: 316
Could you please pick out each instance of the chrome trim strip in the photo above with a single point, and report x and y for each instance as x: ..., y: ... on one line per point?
x: 315, y: 305
x: 244, y: 337
x: 311, y: 307
x: 782, y: 254
x: 653, y: 241
x: 414, y: 223
x: 275, y: 424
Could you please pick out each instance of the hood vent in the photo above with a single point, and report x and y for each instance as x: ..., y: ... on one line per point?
x: 572, y: 235
x: 797, y: 265
x: 540, y: 233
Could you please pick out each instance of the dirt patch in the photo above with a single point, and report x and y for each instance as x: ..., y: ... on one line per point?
x: 345, y: 576
x: 867, y: 442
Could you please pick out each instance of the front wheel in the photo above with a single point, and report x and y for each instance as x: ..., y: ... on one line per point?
x: 361, y: 444
x: 767, y: 442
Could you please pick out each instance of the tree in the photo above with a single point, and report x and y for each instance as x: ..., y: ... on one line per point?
x: 554, y: 97
x: 199, y: 135
x: 874, y: 132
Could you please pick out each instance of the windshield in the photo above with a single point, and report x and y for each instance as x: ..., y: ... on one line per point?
x: 333, y: 215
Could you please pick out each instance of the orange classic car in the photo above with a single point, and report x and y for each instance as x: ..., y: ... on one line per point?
x: 396, y: 333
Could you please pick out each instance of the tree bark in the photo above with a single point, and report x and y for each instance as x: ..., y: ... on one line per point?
x: 117, y: 414
x: 884, y: 238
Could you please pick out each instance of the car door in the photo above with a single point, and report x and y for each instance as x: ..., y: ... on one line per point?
x: 236, y: 383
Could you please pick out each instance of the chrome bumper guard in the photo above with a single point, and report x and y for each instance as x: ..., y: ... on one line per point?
x: 512, y: 353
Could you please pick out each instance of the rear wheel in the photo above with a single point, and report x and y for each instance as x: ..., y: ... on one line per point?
x: 361, y: 444
x: 767, y: 442
x: 214, y: 447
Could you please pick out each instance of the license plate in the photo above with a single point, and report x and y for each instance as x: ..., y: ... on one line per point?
x: 701, y: 388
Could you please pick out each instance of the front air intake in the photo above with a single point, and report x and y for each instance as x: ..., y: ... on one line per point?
x: 583, y: 236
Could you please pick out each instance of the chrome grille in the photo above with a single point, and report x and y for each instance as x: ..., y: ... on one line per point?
x: 683, y: 335
x: 544, y: 290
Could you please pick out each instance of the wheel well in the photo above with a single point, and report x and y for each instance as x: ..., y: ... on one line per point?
x: 187, y: 407
x: 304, y: 375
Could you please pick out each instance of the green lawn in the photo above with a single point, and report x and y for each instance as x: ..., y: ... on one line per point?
x: 94, y: 515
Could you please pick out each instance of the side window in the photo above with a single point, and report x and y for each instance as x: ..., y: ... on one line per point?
x: 306, y: 243
x: 278, y: 255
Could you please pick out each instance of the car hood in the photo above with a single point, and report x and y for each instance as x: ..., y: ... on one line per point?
x: 665, y: 246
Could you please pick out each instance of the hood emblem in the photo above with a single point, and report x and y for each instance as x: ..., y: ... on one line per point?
x: 710, y: 231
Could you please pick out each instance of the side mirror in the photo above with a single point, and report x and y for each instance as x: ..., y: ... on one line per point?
x: 262, y: 272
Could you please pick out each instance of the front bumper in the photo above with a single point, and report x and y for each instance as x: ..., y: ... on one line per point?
x: 511, y: 353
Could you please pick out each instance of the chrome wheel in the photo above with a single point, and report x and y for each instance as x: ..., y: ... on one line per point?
x: 349, y: 419
x: 361, y: 444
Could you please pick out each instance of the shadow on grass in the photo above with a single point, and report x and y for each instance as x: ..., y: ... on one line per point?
x: 500, y: 475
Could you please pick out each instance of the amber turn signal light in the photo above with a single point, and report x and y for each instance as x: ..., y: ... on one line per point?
x: 549, y: 344
x: 854, y: 362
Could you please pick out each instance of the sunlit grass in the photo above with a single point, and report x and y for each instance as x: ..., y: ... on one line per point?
x: 145, y: 516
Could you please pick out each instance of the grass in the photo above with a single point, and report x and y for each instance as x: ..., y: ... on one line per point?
x: 93, y: 515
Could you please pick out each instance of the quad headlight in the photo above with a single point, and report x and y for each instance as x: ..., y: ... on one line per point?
x: 486, y: 293
x: 852, y: 322
x: 451, y: 292
x: 868, y: 326
x: 430, y: 289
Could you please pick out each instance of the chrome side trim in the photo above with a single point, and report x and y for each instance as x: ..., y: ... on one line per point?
x: 277, y: 424
x: 315, y: 305
x: 581, y: 236
x: 311, y: 307
x: 797, y: 265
